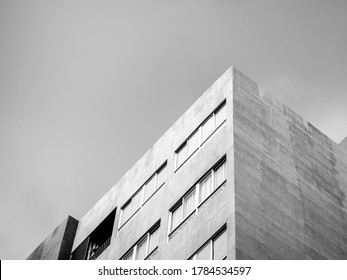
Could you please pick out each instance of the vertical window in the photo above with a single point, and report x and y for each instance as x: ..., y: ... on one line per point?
x: 204, y: 253
x: 181, y: 155
x: 188, y: 203
x: 145, y: 246
x: 200, y: 135
x: 193, y: 142
x: 150, y: 188
x: 206, y: 187
x: 155, y: 182
x: 141, y: 249
x: 207, y: 128
x: 160, y: 177
x: 136, y: 202
x: 176, y: 217
x: 220, y: 174
x: 153, y: 240
x: 209, y: 182
x: 215, y: 248
x: 126, y: 211
x: 143, y: 194
x: 220, y: 246
x: 220, y: 115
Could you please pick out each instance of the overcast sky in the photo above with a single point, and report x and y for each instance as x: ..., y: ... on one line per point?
x: 87, y: 87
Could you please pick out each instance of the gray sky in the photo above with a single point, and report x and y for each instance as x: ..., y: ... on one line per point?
x: 87, y: 87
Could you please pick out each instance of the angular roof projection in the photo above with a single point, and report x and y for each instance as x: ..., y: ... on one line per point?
x: 238, y: 176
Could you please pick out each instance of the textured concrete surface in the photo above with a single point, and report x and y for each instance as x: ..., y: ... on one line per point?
x: 285, y: 195
x: 57, y: 246
x: 290, y: 182
x: 343, y: 144
x: 216, y: 212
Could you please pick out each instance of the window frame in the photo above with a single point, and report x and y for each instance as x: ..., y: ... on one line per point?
x: 210, y: 242
x: 98, y: 238
x: 201, y: 142
x: 146, y: 236
x: 197, y: 189
x: 143, y: 200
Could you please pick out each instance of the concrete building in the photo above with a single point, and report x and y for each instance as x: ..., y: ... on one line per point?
x: 238, y: 176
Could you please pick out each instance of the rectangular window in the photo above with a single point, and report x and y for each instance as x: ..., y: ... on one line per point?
x: 145, y: 246
x: 220, y: 116
x: 136, y: 202
x: 220, y: 246
x: 141, y: 249
x: 215, y: 248
x: 150, y: 188
x: 126, y: 211
x: 143, y: 194
x: 181, y: 155
x: 200, y: 135
x: 205, y: 187
x: 205, y: 252
x: 153, y: 240
x: 176, y: 217
x: 188, y: 204
x: 220, y: 174
x: 193, y: 142
x: 212, y: 181
x: 207, y: 128
x: 160, y: 178
x: 209, y: 182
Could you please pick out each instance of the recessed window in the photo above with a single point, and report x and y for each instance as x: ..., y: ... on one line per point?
x: 142, y: 195
x: 206, y: 186
x: 220, y: 115
x: 97, y: 242
x: 190, y: 202
x: 207, y: 128
x: 214, y: 249
x: 145, y: 246
x: 176, y: 216
x: 193, y: 142
x: 200, y: 135
x: 150, y: 188
x: 181, y: 155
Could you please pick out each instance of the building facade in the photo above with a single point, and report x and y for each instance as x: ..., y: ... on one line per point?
x: 238, y: 176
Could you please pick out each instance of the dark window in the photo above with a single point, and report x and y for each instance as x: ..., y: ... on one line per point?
x: 97, y: 241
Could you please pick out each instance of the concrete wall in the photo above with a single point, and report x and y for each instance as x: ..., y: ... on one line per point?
x: 285, y: 195
x: 343, y: 144
x: 216, y: 212
x: 57, y: 246
x: 290, y: 182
